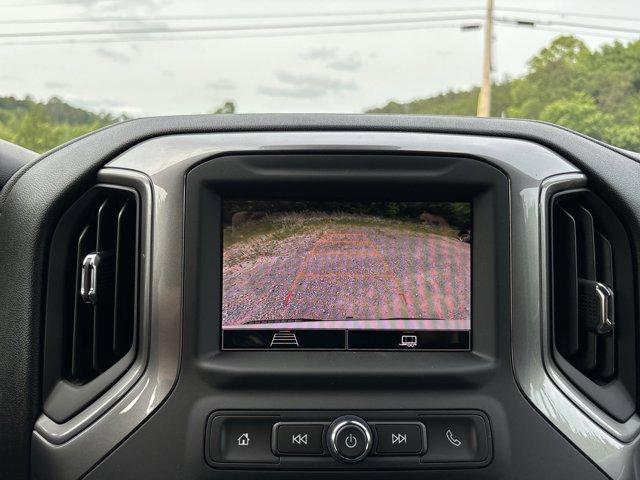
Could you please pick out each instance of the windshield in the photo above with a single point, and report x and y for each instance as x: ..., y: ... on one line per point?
x: 69, y: 67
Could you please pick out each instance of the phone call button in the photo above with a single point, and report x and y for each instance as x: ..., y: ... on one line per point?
x: 455, y: 438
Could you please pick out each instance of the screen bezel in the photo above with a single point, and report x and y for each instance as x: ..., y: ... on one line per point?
x: 341, y: 174
x: 442, y: 348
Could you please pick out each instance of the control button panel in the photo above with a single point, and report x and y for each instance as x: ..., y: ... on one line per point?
x: 317, y: 440
x: 298, y: 438
x: 455, y: 438
x: 400, y: 438
x: 242, y: 439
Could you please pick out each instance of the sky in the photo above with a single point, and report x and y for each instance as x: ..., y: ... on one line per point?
x: 347, y: 68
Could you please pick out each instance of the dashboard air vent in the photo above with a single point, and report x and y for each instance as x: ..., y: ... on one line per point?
x: 592, y: 300
x: 91, y: 314
x: 101, y: 328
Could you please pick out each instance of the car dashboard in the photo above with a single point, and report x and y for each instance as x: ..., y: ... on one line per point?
x: 125, y: 354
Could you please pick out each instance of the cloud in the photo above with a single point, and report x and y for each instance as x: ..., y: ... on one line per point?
x: 7, y: 77
x: 103, y: 104
x: 291, y: 92
x: 320, y: 53
x: 349, y: 63
x: 168, y: 73
x: 306, y: 86
x: 114, y: 55
x: 309, y: 80
x: 221, y: 84
x: 56, y: 85
x: 334, y: 59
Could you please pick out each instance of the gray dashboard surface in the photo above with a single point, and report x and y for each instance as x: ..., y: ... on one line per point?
x: 12, y: 159
x: 34, y: 198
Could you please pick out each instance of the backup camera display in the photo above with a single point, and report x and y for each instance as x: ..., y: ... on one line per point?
x: 346, y: 275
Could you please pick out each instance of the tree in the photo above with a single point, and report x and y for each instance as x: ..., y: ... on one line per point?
x: 227, y: 107
x: 580, y: 113
x: 594, y: 92
x: 29, y: 124
x: 553, y: 74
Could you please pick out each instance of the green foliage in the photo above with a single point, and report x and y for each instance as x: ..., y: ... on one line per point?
x: 43, y: 126
x: 457, y: 214
x: 56, y: 111
x: 227, y: 107
x: 450, y: 103
x: 593, y: 92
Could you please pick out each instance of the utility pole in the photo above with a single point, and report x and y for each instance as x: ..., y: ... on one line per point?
x: 484, y: 99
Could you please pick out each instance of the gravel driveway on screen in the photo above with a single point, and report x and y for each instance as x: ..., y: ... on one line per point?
x: 345, y: 275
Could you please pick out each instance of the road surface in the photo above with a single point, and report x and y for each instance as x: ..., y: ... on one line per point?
x: 345, y: 277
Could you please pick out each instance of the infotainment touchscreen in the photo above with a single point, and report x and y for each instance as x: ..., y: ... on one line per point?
x: 328, y: 275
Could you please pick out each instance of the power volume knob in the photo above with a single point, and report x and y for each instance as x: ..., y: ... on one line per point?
x: 349, y: 439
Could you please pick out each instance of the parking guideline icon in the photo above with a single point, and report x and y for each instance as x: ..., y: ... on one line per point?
x: 284, y: 338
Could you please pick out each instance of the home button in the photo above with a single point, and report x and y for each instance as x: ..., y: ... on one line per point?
x: 242, y: 439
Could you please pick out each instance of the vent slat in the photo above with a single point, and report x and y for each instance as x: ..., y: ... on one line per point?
x: 82, y: 324
x: 604, y: 260
x: 125, y: 281
x: 103, y: 309
x: 605, y: 274
x: 607, y: 358
x: 589, y: 357
x: 566, y: 281
x: 587, y: 244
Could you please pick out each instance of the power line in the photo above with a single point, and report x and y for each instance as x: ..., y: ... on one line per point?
x: 231, y: 36
x: 276, y: 34
x: 284, y: 29
x: 562, y: 23
x: 310, y: 24
x: 411, y: 11
x: 179, y: 18
x: 234, y: 28
x: 588, y: 33
x: 567, y: 14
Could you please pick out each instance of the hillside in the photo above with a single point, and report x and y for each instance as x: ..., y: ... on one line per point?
x: 462, y: 102
x: 41, y: 126
x: 593, y: 92
x: 56, y: 111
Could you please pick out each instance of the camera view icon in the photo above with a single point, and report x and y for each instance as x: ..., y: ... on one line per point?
x: 408, y: 341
